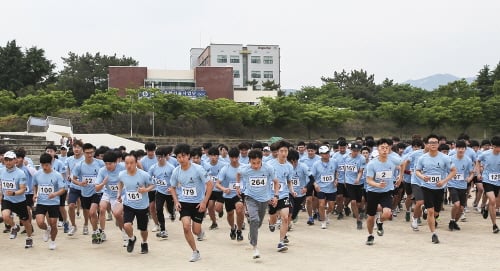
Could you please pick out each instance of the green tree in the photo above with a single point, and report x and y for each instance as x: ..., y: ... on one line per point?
x: 492, y: 114
x: 84, y: 74
x: 401, y: 114
x: 466, y: 112
x: 45, y: 103
x: 356, y: 84
x: 484, y: 82
x: 8, y: 103
x: 455, y: 89
x: 435, y: 113
x: 104, y: 105
x: 28, y: 69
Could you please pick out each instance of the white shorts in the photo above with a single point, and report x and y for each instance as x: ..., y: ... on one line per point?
x: 114, y: 202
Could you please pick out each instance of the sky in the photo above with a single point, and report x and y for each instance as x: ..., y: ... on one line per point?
x: 393, y: 39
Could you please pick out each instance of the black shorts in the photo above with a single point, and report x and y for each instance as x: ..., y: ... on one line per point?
x: 282, y: 203
x: 217, y: 196
x: 458, y: 195
x: 52, y: 210
x: 491, y: 188
x: 417, y: 192
x: 29, y: 200
x: 433, y: 198
x: 374, y: 199
x: 130, y: 213
x: 74, y: 195
x: 62, y: 199
x: 20, y: 208
x: 87, y: 201
x: 397, y: 190
x: 152, y: 195
x: 341, y: 189
x: 230, y: 203
x: 327, y: 196
x: 355, y: 192
x: 407, y: 187
x: 476, y: 180
x: 189, y: 209
x: 310, y: 191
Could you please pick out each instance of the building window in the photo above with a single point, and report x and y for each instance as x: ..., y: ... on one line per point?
x: 268, y: 74
x: 255, y: 74
x: 255, y: 59
x: 221, y: 59
x: 268, y: 60
x: 236, y: 74
x: 234, y: 59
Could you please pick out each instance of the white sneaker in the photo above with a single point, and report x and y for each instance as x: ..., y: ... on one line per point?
x: 52, y: 245
x: 125, y: 239
x: 46, y: 234
x: 463, y: 218
x: 85, y: 230
x: 478, y: 209
x: 156, y: 228
x: 414, y: 224
x: 256, y: 253
x: 195, y: 257
x: 323, y: 225
x: 72, y: 230
x: 201, y: 235
x: 60, y: 224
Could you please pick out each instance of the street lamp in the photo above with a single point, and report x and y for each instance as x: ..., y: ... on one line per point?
x: 131, y: 123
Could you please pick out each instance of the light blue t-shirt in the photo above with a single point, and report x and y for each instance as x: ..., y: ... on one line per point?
x: 386, y: 171
x: 213, y: 172
x: 11, y: 180
x: 59, y: 166
x: 309, y: 161
x: 47, y: 183
x: 436, y: 167
x: 352, y: 165
x: 491, y: 167
x: 259, y: 184
x: 190, y: 184
x: 131, y: 184
x: 147, y: 162
x: 227, y: 177
x: 160, y: 177
x: 464, y: 166
x: 29, y: 180
x: 469, y: 152
x: 340, y: 159
x: 284, y: 174
x: 88, y: 172
x: 111, y: 188
x: 413, y: 158
x: 324, y: 175
x: 300, y: 178
x: 71, y: 162
x: 244, y: 160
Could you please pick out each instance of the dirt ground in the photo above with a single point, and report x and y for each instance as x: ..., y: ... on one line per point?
x: 340, y: 246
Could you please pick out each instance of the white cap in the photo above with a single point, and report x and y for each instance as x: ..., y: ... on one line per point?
x: 10, y: 155
x: 266, y: 148
x: 324, y: 149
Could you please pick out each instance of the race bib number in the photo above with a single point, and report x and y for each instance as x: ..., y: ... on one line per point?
x: 134, y: 196
x: 494, y: 177
x: 341, y: 168
x: 385, y: 174
x: 213, y: 178
x: 459, y: 177
x: 258, y: 181
x: 351, y: 168
x: 280, y: 187
x: 327, y: 178
x: 295, y: 182
x: 45, y: 189
x: 8, y: 185
x: 89, y: 178
x: 159, y: 182
x: 189, y: 192
x: 232, y: 186
x: 113, y: 188
x: 434, y: 178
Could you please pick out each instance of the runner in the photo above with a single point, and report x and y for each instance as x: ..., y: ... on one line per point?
x: 354, y: 167
x: 213, y: 167
x: 325, y: 171
x: 13, y: 184
x: 191, y: 189
x: 342, y: 199
x: 48, y: 186
x: 435, y: 169
x: 59, y: 166
x: 146, y: 163
x: 311, y: 199
x: 256, y: 179
x: 75, y: 191
x: 135, y: 185
x: 301, y: 180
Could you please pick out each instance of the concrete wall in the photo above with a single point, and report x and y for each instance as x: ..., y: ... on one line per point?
x: 252, y: 96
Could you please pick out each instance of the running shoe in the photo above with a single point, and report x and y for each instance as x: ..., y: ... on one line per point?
x: 495, y: 228
x: 214, y: 226
x: 144, y: 248
x: 484, y: 211
x: 72, y: 231
x: 256, y: 253
x: 435, y: 239
x: 162, y: 234
x: 29, y: 242
x: 310, y: 221
x: 282, y: 247
x: 201, y: 236
x: 272, y: 227
x: 131, y: 244
x: 195, y: 256
x: 407, y: 216
x: 52, y: 245
x: 414, y: 224
x: 380, y: 228
x: 359, y: 225
x: 347, y: 211
x: 370, y: 240
x: 239, y: 236
x: 66, y: 227
x: 13, y: 232
x: 46, y: 234
x: 85, y: 230
x: 232, y: 234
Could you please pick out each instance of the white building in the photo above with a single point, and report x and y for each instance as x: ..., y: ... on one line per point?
x: 251, y: 62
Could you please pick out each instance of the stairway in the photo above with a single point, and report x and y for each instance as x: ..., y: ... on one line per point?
x: 34, y: 145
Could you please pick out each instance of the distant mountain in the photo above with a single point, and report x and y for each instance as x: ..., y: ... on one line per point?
x: 434, y: 81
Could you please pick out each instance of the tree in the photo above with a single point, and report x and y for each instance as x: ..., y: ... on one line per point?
x: 401, y: 114
x: 435, y: 113
x: 356, y: 84
x: 85, y: 73
x: 253, y: 83
x: 45, y: 103
x: 104, y: 105
x: 28, y: 69
x: 466, y: 112
x: 8, y: 103
x: 484, y: 82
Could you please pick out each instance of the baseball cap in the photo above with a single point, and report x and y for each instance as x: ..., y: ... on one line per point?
x: 267, y: 148
x: 356, y: 146
x: 10, y: 155
x: 63, y: 148
x: 324, y: 149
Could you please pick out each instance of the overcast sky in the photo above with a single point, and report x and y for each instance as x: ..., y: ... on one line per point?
x: 396, y: 39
